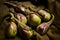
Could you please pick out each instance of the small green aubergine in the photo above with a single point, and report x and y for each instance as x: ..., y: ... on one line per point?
x: 43, y: 28
x: 26, y: 34
x: 21, y: 18
x: 11, y: 29
x: 33, y: 19
x: 45, y: 15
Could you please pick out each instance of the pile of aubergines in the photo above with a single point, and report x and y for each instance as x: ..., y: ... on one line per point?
x: 26, y: 22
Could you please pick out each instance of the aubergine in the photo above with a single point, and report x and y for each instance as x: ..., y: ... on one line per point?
x: 21, y: 18
x: 11, y: 29
x: 43, y: 28
x: 33, y: 20
x: 46, y: 16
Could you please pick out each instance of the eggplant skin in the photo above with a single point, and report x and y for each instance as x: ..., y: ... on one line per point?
x: 45, y: 15
x: 27, y: 34
x: 34, y: 20
x: 21, y: 18
x: 11, y: 29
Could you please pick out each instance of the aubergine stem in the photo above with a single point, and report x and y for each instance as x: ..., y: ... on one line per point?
x: 27, y: 27
x: 43, y: 28
x: 10, y: 4
x: 50, y: 22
